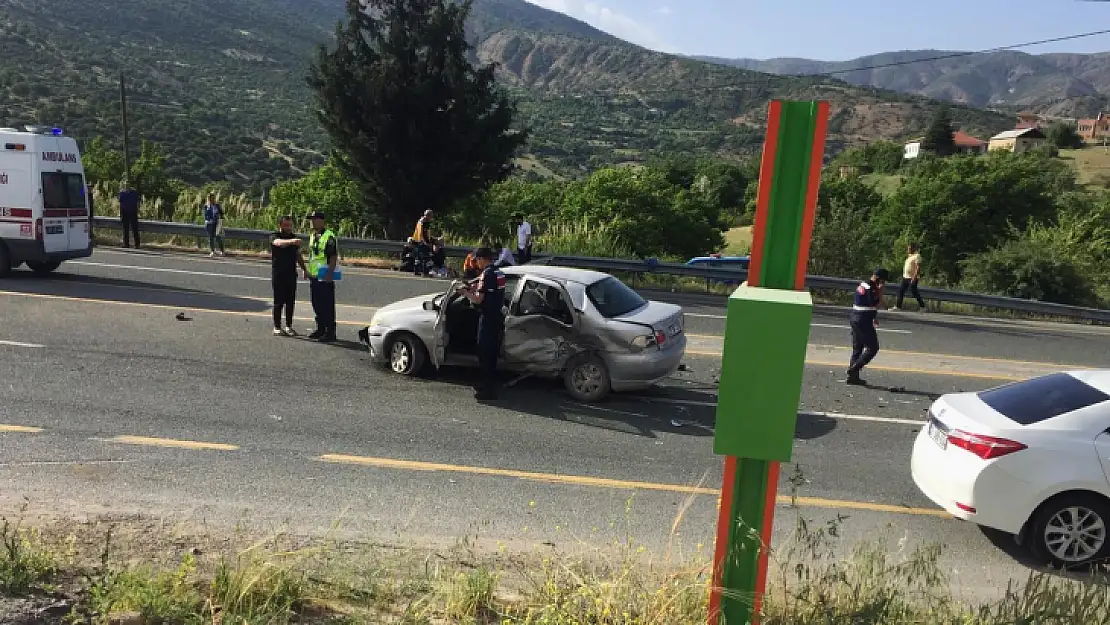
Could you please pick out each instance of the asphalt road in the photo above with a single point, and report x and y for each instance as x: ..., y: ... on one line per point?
x: 108, y: 404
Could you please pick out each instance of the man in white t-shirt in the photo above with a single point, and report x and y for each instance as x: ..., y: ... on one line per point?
x: 911, y: 273
x: 523, y: 240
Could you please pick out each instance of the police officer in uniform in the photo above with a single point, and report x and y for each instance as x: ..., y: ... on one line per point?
x: 864, y: 321
x: 323, y: 255
x: 488, y: 294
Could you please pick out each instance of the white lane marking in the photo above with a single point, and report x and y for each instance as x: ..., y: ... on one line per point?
x: 804, y: 413
x: 19, y: 344
x: 63, y: 463
x: 814, y: 325
x: 164, y: 270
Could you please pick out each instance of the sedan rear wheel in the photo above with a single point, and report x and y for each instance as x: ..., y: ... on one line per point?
x: 407, y: 355
x: 1071, y: 531
x: 587, y: 379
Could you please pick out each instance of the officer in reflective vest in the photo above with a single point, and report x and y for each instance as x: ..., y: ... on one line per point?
x: 323, y: 255
x: 864, y: 321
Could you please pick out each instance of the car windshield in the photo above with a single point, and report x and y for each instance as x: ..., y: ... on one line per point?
x: 1039, y: 399
x: 613, y: 298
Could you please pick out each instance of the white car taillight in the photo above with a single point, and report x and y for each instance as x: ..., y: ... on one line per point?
x: 643, y: 342
x: 986, y: 447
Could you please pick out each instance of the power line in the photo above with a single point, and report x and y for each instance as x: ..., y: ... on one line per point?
x: 769, y: 77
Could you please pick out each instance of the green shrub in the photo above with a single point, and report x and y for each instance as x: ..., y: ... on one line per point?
x: 1026, y: 269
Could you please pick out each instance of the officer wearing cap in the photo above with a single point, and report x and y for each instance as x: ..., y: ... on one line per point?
x: 864, y: 321
x: 323, y: 256
x: 488, y: 294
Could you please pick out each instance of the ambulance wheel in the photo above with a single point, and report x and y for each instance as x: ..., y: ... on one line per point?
x: 43, y: 267
x: 5, y: 261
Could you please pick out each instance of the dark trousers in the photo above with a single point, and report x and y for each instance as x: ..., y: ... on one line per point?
x: 865, y: 343
x: 421, y: 254
x: 523, y: 255
x: 213, y: 238
x: 323, y: 304
x: 911, y: 285
x: 130, y: 224
x: 285, y: 298
x: 489, y: 350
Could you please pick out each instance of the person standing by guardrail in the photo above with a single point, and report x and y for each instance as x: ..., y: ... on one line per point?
x: 323, y: 260
x: 911, y: 272
x: 285, y: 256
x: 129, y: 213
x: 865, y: 323
x: 523, y: 240
x: 213, y: 223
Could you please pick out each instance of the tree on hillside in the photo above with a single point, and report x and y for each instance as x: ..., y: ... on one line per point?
x: 1064, y: 136
x: 414, y: 123
x: 940, y: 136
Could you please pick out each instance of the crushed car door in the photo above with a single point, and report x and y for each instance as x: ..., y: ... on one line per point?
x: 541, y: 329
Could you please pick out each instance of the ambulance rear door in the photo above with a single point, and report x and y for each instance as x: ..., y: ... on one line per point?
x: 65, y: 222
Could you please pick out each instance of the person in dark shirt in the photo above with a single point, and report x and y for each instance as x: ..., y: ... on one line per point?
x: 488, y: 294
x: 285, y: 257
x: 129, y: 214
x: 864, y: 322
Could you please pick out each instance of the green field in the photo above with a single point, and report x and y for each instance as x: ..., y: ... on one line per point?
x: 885, y: 184
x: 738, y: 241
x: 1092, y: 163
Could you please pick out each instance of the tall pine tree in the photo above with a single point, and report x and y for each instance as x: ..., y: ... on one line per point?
x: 414, y: 123
x: 940, y: 137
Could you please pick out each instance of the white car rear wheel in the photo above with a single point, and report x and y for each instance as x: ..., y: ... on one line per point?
x: 1071, y: 531
x: 407, y: 355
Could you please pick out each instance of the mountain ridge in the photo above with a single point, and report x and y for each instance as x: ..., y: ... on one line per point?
x: 1060, y: 84
x: 219, y: 83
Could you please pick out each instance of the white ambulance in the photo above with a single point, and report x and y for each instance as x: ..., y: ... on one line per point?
x: 44, y: 209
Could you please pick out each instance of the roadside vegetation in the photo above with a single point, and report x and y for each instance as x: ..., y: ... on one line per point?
x: 134, y: 572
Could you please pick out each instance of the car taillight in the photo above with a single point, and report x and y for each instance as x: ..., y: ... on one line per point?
x: 660, y: 337
x: 643, y: 341
x: 986, y: 447
x: 38, y: 229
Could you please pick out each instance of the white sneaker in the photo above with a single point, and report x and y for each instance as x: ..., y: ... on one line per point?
x: 211, y: 254
x: 278, y: 332
x: 289, y: 331
x: 895, y: 309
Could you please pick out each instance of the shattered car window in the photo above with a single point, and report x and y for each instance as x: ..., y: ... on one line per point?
x: 545, y: 300
x: 613, y: 298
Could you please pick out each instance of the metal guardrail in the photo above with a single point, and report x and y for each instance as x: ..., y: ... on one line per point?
x: 648, y: 266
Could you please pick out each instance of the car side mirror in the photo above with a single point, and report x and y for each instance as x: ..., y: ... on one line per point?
x: 429, y: 305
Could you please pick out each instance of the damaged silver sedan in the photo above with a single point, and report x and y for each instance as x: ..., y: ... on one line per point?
x: 586, y: 327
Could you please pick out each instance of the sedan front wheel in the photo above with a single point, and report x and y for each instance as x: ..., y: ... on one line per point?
x: 407, y: 355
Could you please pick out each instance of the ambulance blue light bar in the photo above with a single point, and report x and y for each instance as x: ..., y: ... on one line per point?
x: 57, y: 132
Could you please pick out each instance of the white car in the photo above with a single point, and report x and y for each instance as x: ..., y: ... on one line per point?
x: 1031, y: 459
x: 586, y: 327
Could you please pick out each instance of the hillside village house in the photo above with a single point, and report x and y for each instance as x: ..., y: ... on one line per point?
x: 1094, y: 129
x: 1018, y: 140
x: 965, y: 144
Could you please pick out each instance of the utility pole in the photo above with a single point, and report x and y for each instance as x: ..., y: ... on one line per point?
x: 126, y: 144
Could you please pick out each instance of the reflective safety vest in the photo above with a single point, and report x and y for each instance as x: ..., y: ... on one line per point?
x: 317, y: 256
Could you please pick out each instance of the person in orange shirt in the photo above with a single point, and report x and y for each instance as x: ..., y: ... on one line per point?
x: 470, y: 267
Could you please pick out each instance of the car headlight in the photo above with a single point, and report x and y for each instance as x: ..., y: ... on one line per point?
x: 374, y: 320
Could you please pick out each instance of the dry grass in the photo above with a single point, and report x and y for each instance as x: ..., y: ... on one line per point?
x: 151, y: 576
x: 738, y: 241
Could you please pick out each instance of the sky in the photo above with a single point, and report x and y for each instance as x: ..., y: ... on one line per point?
x: 832, y: 30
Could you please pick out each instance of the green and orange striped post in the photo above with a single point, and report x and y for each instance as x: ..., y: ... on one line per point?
x: 766, y: 332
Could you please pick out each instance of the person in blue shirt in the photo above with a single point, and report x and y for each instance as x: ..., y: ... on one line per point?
x: 864, y: 322
x: 129, y: 214
x: 213, y: 216
x: 488, y: 294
